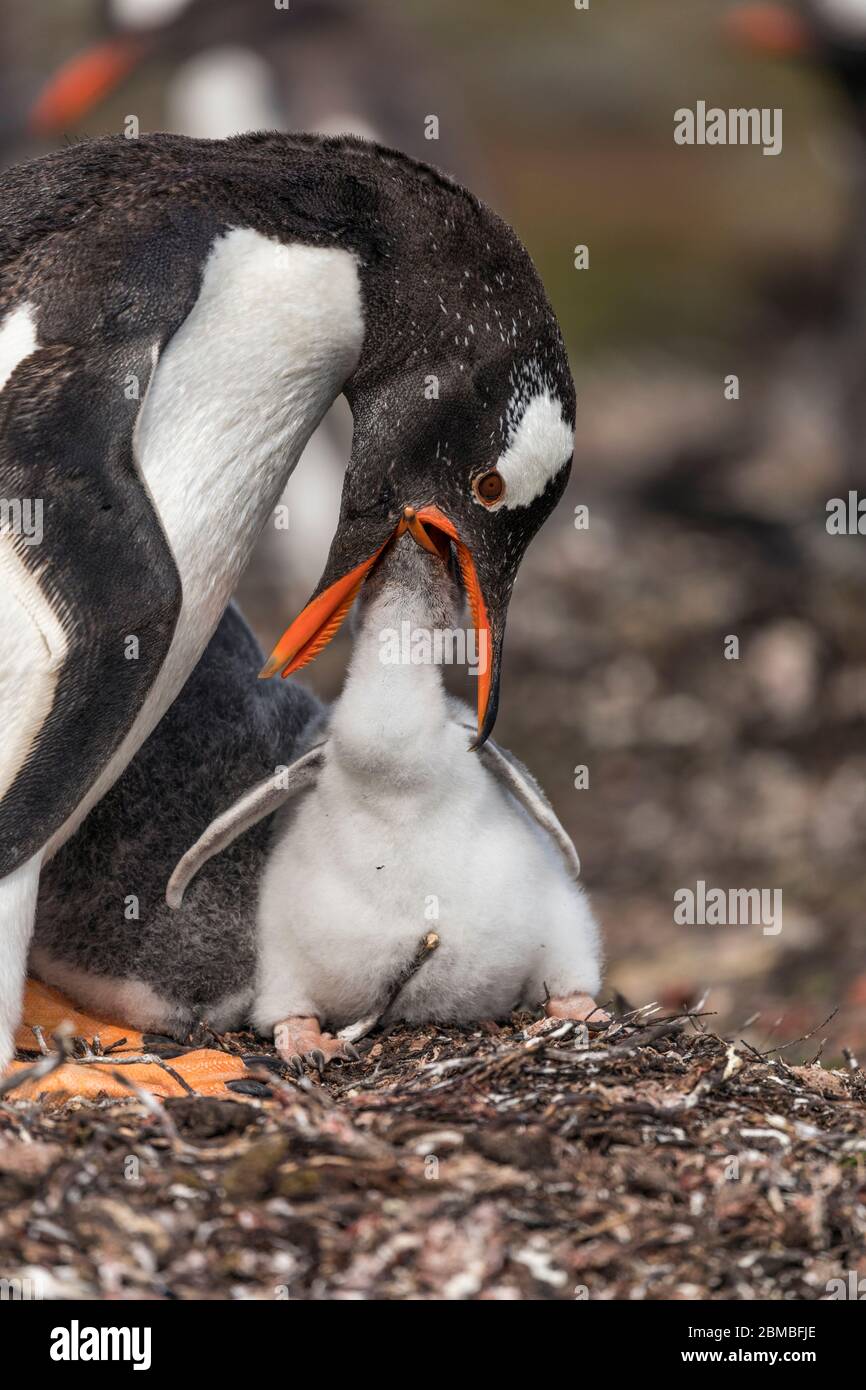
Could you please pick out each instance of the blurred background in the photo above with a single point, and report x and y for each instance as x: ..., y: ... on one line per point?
x: 706, y: 514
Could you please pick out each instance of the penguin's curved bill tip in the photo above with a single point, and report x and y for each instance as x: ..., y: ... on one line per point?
x: 319, y: 622
x: 82, y: 82
x: 768, y: 27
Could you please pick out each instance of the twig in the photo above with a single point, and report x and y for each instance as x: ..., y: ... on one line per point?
x: 819, y: 1054
x: 696, y: 1011
x: 52, y: 1061
x: 147, y: 1058
x: 154, y: 1108
x: 805, y: 1037
x: 355, y: 1031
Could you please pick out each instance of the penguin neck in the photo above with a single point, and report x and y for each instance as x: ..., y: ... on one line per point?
x: 394, y: 704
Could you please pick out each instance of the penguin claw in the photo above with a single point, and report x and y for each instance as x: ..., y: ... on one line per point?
x: 300, y: 1043
x: 580, y: 1007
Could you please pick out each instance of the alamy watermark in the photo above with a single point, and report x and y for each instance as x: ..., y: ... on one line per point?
x: 734, y: 907
x: 846, y: 516
x: 22, y: 516
x: 441, y: 646
x: 852, y: 1287
x: 77, y: 1343
x: 23, y: 1288
x: 738, y: 125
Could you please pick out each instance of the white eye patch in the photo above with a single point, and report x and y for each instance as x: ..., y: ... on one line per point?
x: 540, y: 447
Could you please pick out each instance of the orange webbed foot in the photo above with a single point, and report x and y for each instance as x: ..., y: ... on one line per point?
x: 116, y: 1061
x: 203, y: 1072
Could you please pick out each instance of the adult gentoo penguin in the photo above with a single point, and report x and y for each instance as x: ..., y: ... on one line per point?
x: 175, y: 317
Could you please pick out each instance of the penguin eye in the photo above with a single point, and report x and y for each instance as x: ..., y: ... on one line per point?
x: 489, y: 487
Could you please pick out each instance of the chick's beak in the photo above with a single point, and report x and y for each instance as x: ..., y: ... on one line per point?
x: 411, y: 522
x: 320, y: 620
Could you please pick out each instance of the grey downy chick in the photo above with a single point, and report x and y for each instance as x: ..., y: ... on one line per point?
x: 392, y: 828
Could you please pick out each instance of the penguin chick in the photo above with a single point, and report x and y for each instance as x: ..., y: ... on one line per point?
x: 392, y: 829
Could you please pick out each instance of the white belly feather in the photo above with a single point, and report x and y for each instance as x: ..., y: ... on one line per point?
x: 274, y: 334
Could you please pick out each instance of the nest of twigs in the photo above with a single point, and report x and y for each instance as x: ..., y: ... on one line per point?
x: 524, y: 1160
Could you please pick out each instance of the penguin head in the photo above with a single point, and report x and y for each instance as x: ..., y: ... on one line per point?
x: 471, y: 472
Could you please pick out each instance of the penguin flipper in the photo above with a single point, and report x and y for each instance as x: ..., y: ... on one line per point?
x: 519, y: 781
x: 261, y: 800
x: 102, y: 580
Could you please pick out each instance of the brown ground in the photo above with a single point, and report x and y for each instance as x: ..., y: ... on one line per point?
x: 513, y: 1162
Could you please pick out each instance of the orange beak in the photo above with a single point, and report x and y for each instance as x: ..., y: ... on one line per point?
x: 768, y: 28
x: 320, y: 620
x: 82, y: 83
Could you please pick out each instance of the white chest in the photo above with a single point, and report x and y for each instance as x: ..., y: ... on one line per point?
x: 234, y: 397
